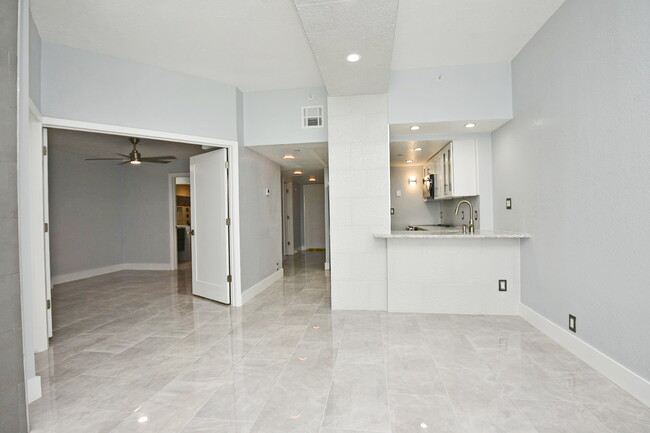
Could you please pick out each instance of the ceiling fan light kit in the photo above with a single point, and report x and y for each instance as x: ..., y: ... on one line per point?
x: 135, y: 158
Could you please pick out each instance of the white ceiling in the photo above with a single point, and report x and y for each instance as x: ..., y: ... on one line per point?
x: 434, y: 33
x: 253, y: 44
x: 401, y: 151
x: 311, y: 159
x: 106, y: 146
x: 337, y: 28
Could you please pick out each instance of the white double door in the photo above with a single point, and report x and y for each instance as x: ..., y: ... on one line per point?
x: 210, y: 226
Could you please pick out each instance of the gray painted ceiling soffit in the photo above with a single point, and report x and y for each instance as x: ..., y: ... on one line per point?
x: 336, y: 28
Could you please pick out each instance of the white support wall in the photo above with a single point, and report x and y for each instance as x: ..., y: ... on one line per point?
x: 359, y: 190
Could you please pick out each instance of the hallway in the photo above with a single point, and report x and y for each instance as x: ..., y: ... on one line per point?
x: 136, y: 352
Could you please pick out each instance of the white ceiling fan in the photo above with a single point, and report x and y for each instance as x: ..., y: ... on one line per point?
x: 135, y: 158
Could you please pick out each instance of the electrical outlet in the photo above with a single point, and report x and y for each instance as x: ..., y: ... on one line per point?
x: 475, y: 215
x: 508, y: 203
x: 572, y: 323
x: 503, y: 285
x: 277, y: 266
x: 462, y: 215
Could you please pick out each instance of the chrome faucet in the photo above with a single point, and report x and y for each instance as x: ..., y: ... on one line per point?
x: 470, y: 226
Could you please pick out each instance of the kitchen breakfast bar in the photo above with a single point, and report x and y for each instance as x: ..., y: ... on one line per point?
x: 437, y: 269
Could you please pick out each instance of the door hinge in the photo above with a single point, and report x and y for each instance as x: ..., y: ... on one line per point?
x: 46, y: 227
x: 44, y: 150
x: 229, y: 278
x: 227, y: 221
x: 227, y: 164
x: 48, y: 304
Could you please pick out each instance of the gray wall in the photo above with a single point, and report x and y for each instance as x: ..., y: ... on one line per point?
x: 275, y: 117
x: 470, y: 92
x: 122, y: 212
x: 575, y: 162
x: 12, y: 386
x: 410, y: 208
x: 260, y: 228
x: 145, y: 211
x: 85, y: 209
x: 34, y: 63
x: 92, y: 87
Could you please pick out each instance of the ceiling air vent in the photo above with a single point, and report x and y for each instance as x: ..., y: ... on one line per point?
x: 312, y: 117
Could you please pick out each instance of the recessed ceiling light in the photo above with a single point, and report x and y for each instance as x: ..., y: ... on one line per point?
x: 288, y: 157
x: 297, y: 172
x: 354, y: 57
x: 470, y: 125
x: 415, y: 127
x: 409, y: 161
x: 312, y: 179
x: 143, y: 419
x: 417, y: 149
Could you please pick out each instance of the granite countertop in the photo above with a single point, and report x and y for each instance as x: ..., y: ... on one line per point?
x: 439, y: 232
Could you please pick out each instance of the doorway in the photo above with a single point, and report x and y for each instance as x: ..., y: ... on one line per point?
x: 181, y: 221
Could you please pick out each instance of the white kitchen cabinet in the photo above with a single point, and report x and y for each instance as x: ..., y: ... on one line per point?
x: 456, y: 170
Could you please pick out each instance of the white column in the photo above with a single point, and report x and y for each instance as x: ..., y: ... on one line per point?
x: 359, y: 173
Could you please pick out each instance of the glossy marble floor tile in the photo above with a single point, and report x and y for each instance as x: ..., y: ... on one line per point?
x: 136, y: 352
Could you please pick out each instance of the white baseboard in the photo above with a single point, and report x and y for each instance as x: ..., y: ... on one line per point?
x: 258, y: 288
x: 88, y: 273
x: 631, y: 382
x: 146, y: 267
x: 33, y: 388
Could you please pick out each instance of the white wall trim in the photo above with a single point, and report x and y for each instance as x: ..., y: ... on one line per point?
x: 233, y: 157
x: 327, y: 266
x: 173, y: 252
x: 34, y: 390
x: 100, y: 128
x: 258, y: 288
x: 89, y: 273
x: 631, y: 382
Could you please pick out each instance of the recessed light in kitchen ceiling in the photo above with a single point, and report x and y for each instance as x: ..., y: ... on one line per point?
x: 409, y: 161
x: 470, y: 125
x: 312, y: 179
x: 417, y: 149
x: 415, y: 127
x: 354, y: 57
x: 288, y: 157
x: 297, y: 172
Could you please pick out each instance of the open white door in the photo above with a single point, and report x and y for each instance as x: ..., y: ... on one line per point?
x: 210, y: 225
x: 46, y: 219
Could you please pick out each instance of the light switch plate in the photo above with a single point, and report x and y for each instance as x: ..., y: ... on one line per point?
x: 392, y: 211
x: 503, y: 285
x: 508, y: 203
x: 398, y: 193
x: 267, y: 192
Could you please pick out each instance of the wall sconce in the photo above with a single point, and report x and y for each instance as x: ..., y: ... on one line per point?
x: 413, y: 180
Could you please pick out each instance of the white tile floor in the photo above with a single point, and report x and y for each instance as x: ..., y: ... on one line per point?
x: 135, y: 352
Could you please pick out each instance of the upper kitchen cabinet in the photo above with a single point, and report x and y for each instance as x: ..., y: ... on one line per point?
x: 456, y: 170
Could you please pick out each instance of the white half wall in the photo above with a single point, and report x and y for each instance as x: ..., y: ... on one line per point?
x: 359, y: 174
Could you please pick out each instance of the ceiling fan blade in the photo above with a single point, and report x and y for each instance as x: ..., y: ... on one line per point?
x: 123, y: 154
x: 158, y: 157
x: 155, y: 161
x: 104, y: 159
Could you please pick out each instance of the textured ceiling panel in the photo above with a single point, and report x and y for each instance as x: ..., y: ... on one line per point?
x: 252, y: 44
x: 336, y: 28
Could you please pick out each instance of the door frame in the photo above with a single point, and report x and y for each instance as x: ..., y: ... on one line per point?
x: 233, y: 187
x: 173, y: 252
